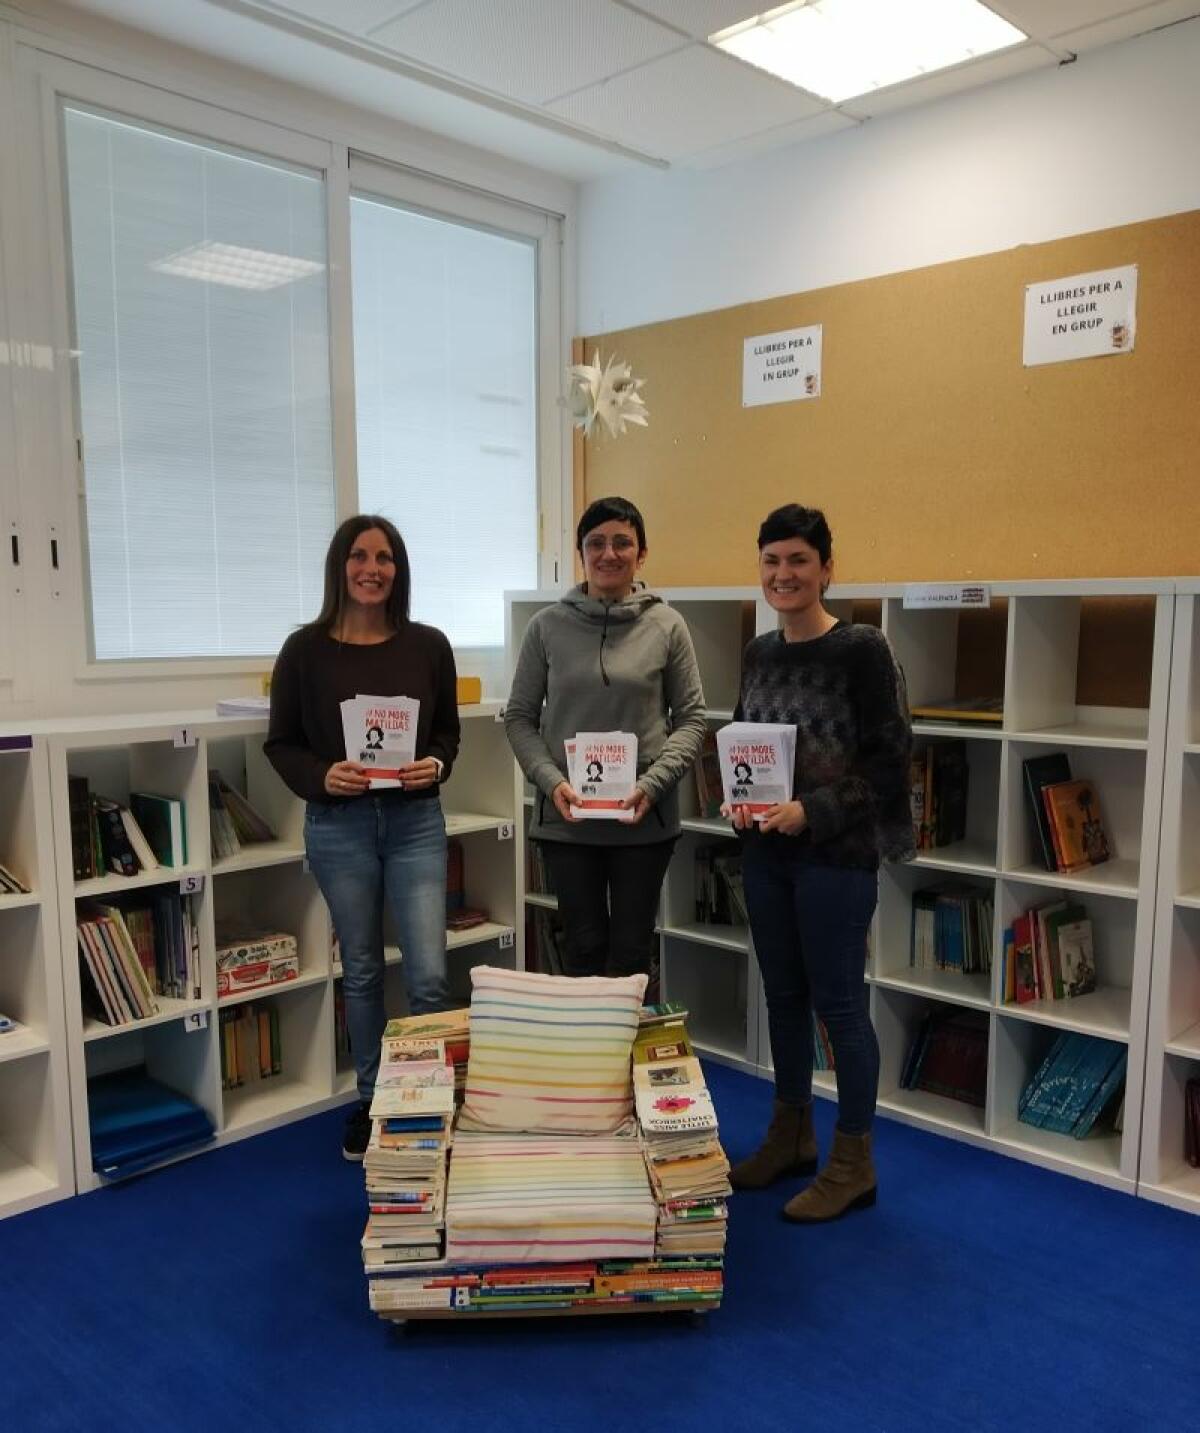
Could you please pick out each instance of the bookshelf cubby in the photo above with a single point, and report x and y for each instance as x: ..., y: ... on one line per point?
x: 35, y: 1124
x: 1046, y: 649
x: 1173, y: 1043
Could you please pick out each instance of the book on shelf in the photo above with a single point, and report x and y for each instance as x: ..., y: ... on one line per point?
x: 459, y: 916
x: 1051, y: 952
x: 250, y: 1044
x: 982, y: 711
x: 11, y: 884
x: 720, y: 897
x: 114, y: 982
x: 951, y: 929
x: 537, y: 871
x: 163, y: 823
x: 948, y: 1055
x: 822, y: 1046
x: 106, y: 836
x: 1039, y: 772
x: 1076, y: 824
x: 545, y: 941
x: 939, y: 779
x: 707, y: 776
x: 1080, y: 1078
x: 249, y: 957
x: 1191, y: 1122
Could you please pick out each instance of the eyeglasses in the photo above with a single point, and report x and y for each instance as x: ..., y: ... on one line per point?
x: 595, y: 546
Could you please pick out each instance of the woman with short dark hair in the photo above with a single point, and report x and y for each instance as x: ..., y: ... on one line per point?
x: 810, y: 865
x: 366, y: 846
x: 608, y: 656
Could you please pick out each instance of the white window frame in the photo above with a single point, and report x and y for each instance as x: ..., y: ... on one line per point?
x: 460, y: 204
x: 62, y: 82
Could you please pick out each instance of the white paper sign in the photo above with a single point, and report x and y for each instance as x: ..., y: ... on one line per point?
x: 1083, y: 316
x: 947, y: 594
x: 781, y: 367
x: 381, y: 732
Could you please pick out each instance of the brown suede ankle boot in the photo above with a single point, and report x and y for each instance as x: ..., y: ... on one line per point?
x: 790, y: 1147
x: 847, y: 1182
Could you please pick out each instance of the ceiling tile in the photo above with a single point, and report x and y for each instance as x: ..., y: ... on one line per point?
x: 702, y: 18
x: 830, y: 121
x: 352, y: 17
x: 971, y: 76
x: 685, y: 103
x: 531, y: 50
x: 1124, y: 27
x: 1042, y: 19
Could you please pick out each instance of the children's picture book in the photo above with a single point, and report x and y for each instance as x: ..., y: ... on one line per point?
x: 1074, y: 810
x: 1076, y: 957
x: 602, y: 768
x: 381, y: 733
x: 672, y: 1097
x: 757, y: 762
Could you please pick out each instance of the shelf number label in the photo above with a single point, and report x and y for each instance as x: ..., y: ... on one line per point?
x: 504, y: 832
x: 500, y: 714
x: 197, y: 1020
x: 184, y: 736
x: 506, y: 940
x: 191, y: 885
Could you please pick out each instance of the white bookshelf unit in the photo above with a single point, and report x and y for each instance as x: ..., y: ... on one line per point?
x: 1173, y: 1042
x: 268, y: 883
x: 1026, y: 647
x: 36, y: 1164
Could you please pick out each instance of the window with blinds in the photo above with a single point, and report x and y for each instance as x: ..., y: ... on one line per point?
x: 201, y: 330
x: 445, y: 377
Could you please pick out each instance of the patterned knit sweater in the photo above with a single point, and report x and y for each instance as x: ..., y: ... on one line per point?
x: 845, y: 693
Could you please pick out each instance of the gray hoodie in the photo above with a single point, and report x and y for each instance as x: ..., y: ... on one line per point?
x: 607, y: 666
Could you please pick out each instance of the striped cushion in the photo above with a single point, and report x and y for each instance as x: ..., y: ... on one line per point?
x: 547, y: 1199
x: 550, y: 1053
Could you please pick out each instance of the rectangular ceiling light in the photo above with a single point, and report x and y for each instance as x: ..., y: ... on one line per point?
x: 841, y: 48
x: 215, y: 263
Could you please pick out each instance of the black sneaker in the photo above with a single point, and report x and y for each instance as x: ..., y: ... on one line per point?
x: 358, y: 1132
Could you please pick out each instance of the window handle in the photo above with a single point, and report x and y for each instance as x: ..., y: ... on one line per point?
x: 15, y: 543
x: 54, y: 553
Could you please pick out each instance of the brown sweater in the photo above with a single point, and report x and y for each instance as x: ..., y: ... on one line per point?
x: 314, y: 673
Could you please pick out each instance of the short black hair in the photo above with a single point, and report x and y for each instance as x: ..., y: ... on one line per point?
x: 792, y: 520
x: 611, y: 510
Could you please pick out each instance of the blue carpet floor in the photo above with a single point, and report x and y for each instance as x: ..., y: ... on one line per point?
x: 225, y: 1293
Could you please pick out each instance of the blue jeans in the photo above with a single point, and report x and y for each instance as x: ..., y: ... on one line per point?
x: 810, y: 925
x: 360, y: 852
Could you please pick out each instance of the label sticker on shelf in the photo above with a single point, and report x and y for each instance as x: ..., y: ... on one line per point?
x: 191, y: 885
x: 504, y: 832
x: 506, y: 939
x: 197, y: 1020
x: 500, y: 714
x: 184, y: 736
x: 947, y: 594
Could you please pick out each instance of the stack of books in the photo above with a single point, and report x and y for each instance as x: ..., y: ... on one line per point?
x: 405, y: 1162
x: 452, y: 1027
x: 249, y: 958
x: 250, y: 1045
x: 1049, y: 954
x: 110, y: 838
x: 951, y: 930
x: 938, y: 785
x: 1081, y: 1077
x: 720, y: 899
x: 689, y: 1173
x: 1066, y: 826
x: 1191, y: 1122
x: 948, y: 1055
x: 11, y: 885
x: 233, y: 822
x: 118, y: 977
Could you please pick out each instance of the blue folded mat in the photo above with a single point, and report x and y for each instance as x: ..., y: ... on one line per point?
x: 136, y: 1122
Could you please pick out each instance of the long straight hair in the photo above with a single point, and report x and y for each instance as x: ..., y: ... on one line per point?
x: 335, y: 601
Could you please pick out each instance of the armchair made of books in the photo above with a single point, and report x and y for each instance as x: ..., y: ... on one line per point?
x: 583, y: 1172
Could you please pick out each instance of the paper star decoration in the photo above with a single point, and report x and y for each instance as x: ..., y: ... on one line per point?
x: 610, y: 393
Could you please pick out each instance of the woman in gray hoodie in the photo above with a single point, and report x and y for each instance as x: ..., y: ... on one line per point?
x: 608, y: 656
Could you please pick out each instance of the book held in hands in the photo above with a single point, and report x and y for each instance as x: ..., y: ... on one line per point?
x: 381, y: 733
x: 602, y: 768
x: 757, y: 761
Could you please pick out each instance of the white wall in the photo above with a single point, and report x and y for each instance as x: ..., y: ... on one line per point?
x: 1108, y: 140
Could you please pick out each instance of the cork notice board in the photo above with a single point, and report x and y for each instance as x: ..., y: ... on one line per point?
x: 935, y: 454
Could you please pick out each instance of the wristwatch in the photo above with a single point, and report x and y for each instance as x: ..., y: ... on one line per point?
x: 440, y: 764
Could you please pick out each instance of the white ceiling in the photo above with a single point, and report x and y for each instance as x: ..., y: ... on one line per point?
x: 583, y: 87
